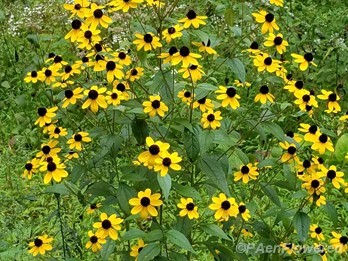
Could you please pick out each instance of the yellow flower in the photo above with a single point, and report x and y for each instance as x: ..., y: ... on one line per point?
x: 243, y: 211
x: 332, y: 175
x: 277, y: 41
x: 185, y: 96
x: 344, y: 117
x: 108, y: 226
x: 147, y: 41
x: 124, y: 5
x: 293, y: 86
x: 304, y: 60
x: 238, y: 83
x: 45, y: 115
x: 40, y: 245
x: 245, y: 173
x: 186, y: 57
x: 95, y: 98
x: 58, y: 132
x: 321, y: 251
x: 122, y: 87
x: 192, y: 19
x: 71, y: 96
x: 322, y: 143
x: 211, y: 119
x: 204, y: 47
x: 155, y: 106
x: 276, y: 2
x: 113, y: 70
x: 194, y: 72
x: 70, y: 70
x: 316, y: 232
x: 203, y: 104
x: 267, y: 20
x: 122, y: 58
x: 75, y: 32
x: 264, y: 62
x: 94, y: 242
x: 312, y: 132
x: 48, y: 75
x: 149, y: 157
x: 332, y: 98
x: 166, y: 161
x: 246, y: 233
x: 168, y: 56
x: 96, y: 16
x: 145, y: 204
x: 54, y: 169
x: 135, y: 74
x: 228, y: 96
x: 71, y: 155
x: 304, y: 99
x: 290, y: 155
x: 88, y: 37
x: 76, y: 140
x: 172, y: 33
x: 137, y: 248
x: 30, y: 168
x: 34, y: 77
x: 158, y: 3
x: 289, y: 248
x: 48, y: 150
x: 224, y: 207
x: 313, y: 184
x: 92, y: 208
x: 188, y: 208
x: 78, y: 8
x: 114, y: 97
x: 339, y: 242
x: 264, y: 95
x: 253, y: 48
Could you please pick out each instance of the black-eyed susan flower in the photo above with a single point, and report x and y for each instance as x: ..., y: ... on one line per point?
x: 203, y: 104
x: 344, y: 117
x: 145, y: 204
x: 246, y: 173
x: 304, y: 60
x: 333, y: 176
x: 319, y: 200
x: 289, y: 248
x: 76, y: 141
x: 75, y: 31
x: 267, y: 20
x: 158, y: 3
x: 239, y: 83
x: 322, y: 143
x: 339, y: 242
x: 243, y: 211
x: 211, y: 119
x: 113, y: 70
x: 88, y: 37
x: 124, y: 5
x: 114, y: 97
x: 94, y: 242
x: 205, y: 47
x: 277, y: 41
x: 72, y: 96
x: 71, y: 155
x: 313, y: 184
x: 168, y: 56
x: 290, y: 155
x: 92, y: 208
x: 49, y: 74
x: 40, y: 245
x: 246, y: 233
x: 62, y: 84
x: 135, y: 74
x: 54, y: 170
x: 96, y: 16
x: 149, y: 156
x: 186, y: 96
x: 57, y: 132
x: 277, y: 2
x: 294, y: 86
x: 95, y: 98
x: 320, y: 249
x: 155, y: 106
x: 31, y: 167
x: 186, y: 57
x: 147, y: 41
x: 305, y: 167
x: 295, y: 136
x: 49, y: 126
x: 253, y: 48
x: 167, y: 161
x: 305, y: 98
x: 312, y: 132
x: 58, y: 62
x: 188, y: 208
x: 45, y: 115
x: 172, y: 33
x: 264, y: 62
x: 34, y: 77
x: 108, y: 226
x: 70, y: 70
x: 136, y: 249
x: 48, y: 150
x: 264, y: 95
x: 332, y: 101
x: 122, y: 87
x: 224, y: 207
x: 78, y: 8
x: 193, y: 71
x: 316, y: 232
x: 192, y: 19
x: 229, y: 97
x: 122, y: 58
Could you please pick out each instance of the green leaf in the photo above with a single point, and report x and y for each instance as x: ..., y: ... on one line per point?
x: 229, y: 17
x: 191, y: 143
x: 341, y: 148
x: 154, y: 235
x: 149, y: 252
x: 165, y: 184
x: 271, y: 193
x: 330, y: 209
x: 6, y: 85
x: 34, y: 40
x: 100, y: 188
x: 179, y: 239
x: 214, y: 230
x: 237, y: 67
x: 273, y: 129
x: 77, y: 172
x: 301, y: 223
x: 133, y: 233
x: 58, y: 188
x: 108, y: 249
x: 187, y: 191
x: 124, y: 193
x: 140, y: 130
x: 262, y: 229
x: 214, y: 171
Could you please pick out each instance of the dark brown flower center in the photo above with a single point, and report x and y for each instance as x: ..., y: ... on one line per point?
x: 114, y: 96
x: 193, y: 67
x: 318, y: 230
x: 269, y: 17
x: 225, y: 205
x: 166, y: 162
x: 202, y: 101
x: 110, y: 65
x: 134, y: 72
x: 268, y: 61
x: 33, y: 74
x: 306, y: 98
x: 231, y: 92
x: 42, y: 111
x: 292, y: 150
x: 156, y: 104
x: 106, y: 224
x: 308, y: 57
x: 211, y: 117
x: 278, y: 40
x: 93, y: 94
x: 242, y: 208
x: 190, y: 206
x: 46, y: 149
x: 57, y: 130
x: 29, y: 166
x: 38, y: 242
x: 68, y: 94
x: 88, y: 34
x: 184, y: 51
x: 313, y: 129
x: 331, y: 174
x: 154, y: 149
x: 122, y: 55
x: 48, y: 73
x: 145, y: 201
x: 187, y: 94
x: 332, y: 97
x: 78, y: 137
x: 315, y: 184
x: 344, y: 240
x: 98, y: 13
x: 93, y: 239
x: 121, y: 87
x: 76, y: 24
x: 172, y: 50
x: 264, y: 89
x: 244, y: 170
x: 77, y: 7
x: 306, y: 164
x: 323, y: 138
x: 51, y: 166
x: 191, y: 15
x: 254, y: 46
x: 148, y: 38
x: 171, y: 30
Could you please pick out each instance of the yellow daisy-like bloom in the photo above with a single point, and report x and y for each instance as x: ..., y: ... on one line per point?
x: 203, y: 47
x: 243, y: 211
x: 295, y: 136
x: 34, y: 77
x: 238, y: 83
x: 313, y: 184
x: 323, y: 143
x: 58, y: 62
x: 264, y: 95
x: 135, y: 74
x: 246, y: 233
x: 339, y: 242
x: 228, y: 96
x: 166, y: 161
x: 49, y: 126
x: 93, y: 208
x: 108, y: 226
x: 70, y: 70
x: 114, y: 97
x: 188, y: 208
x: 145, y: 204
x: 305, y: 167
x: 124, y: 5
x: 203, y: 104
x: 48, y: 150
x: 245, y: 173
x: 168, y: 56
x: 96, y: 17
x: 94, y: 242
x: 304, y: 99
x: 122, y: 87
x: 158, y: 3
x: 267, y: 20
x: 78, y: 8
x: 62, y: 84
x: 194, y: 72
x: 276, y: 2
x: 264, y: 62
x: 148, y: 41
x: 95, y: 99
x: 316, y: 232
x: 304, y: 60
x: 293, y: 86
x: 224, y: 207
x: 186, y: 57
x: 40, y: 245
x: 253, y: 48
x: 332, y: 98
x: 113, y: 70
x: 45, y: 115
x: 122, y: 58
x: 149, y: 157
x: 186, y: 96
x: 155, y: 106
x: 172, y: 33
x: 30, y: 168
x: 289, y: 248
x: 192, y: 19
x: 211, y: 119
x: 277, y: 41
x: 75, y: 32
x: 332, y: 175
x: 320, y: 249
x: 77, y: 139
x: 136, y: 249
x: 319, y: 200
x: 71, y: 155
x: 58, y: 132
x: 312, y: 132
x: 88, y: 37
x: 71, y: 96
x: 290, y: 155
x: 54, y: 169
x: 344, y: 117
x: 49, y: 74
